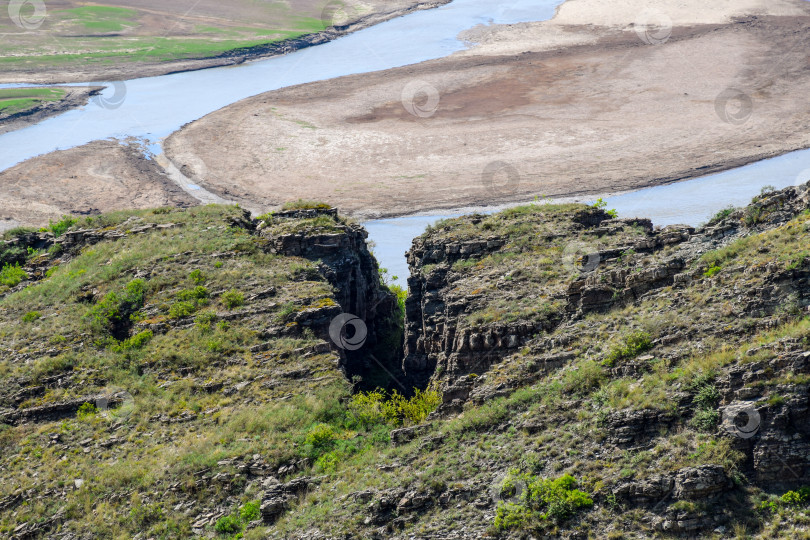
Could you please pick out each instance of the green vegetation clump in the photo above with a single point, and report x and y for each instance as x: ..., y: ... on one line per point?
x: 370, y: 408
x: 87, y: 410
x: 233, y: 299
x: 634, y: 344
x: 302, y: 204
x: 712, y: 271
x: 58, y: 228
x: 544, y: 499
x: 12, y: 274
x: 31, y: 316
x: 113, y: 313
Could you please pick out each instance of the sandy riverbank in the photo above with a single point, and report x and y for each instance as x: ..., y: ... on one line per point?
x: 609, y: 107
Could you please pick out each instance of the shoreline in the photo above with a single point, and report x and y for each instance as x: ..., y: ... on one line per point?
x: 228, y: 58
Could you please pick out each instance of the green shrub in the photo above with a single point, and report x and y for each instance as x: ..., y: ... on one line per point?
x: 87, y: 410
x: 706, y: 397
x: 205, y: 321
x: 544, y: 499
x: 711, y: 271
x: 600, y: 204
x: 797, y: 498
x: 374, y: 407
x: 250, y: 511
x: 402, y: 294
x: 634, y: 344
x: 31, y: 316
x: 320, y: 439
x: 117, y: 308
x: 58, y: 228
x: 228, y: 525
x: 12, y: 275
x: 193, y: 295
x: 178, y: 310
x: 586, y: 376
x: 144, y: 515
x: 138, y: 341
x: 233, y: 299
x: 197, y: 277
x: 721, y: 215
x: 511, y: 516
x: 705, y: 419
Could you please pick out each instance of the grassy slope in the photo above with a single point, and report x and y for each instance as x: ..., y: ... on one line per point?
x: 128, y: 486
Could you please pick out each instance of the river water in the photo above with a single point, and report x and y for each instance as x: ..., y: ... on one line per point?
x: 154, y: 107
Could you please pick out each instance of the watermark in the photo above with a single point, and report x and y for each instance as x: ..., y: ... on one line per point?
x: 500, y: 176
x: 802, y: 178
x: 508, y: 487
x: 742, y: 419
x: 421, y: 99
x: 27, y: 14
x: 733, y: 106
x: 337, y: 14
x: 111, y: 97
x: 653, y: 27
x: 580, y: 257
x: 348, y: 331
x: 115, y: 403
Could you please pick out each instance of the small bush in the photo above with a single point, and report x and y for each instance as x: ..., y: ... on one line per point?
x: 600, y: 204
x: 12, y: 275
x: 233, y: 299
x: 178, y: 310
x: 116, y: 308
x: 87, y: 410
x: 705, y: 419
x: 228, y: 525
x: 372, y: 408
x: 544, y: 499
x: 583, y: 378
x: 721, y: 215
x: 197, y: 277
x: 711, y: 271
x: 58, y: 228
x: 634, y: 344
x: 144, y: 515
x: 205, y: 321
x: 31, y: 316
x: 800, y: 497
x: 250, y: 511
x: 138, y: 341
x: 321, y: 438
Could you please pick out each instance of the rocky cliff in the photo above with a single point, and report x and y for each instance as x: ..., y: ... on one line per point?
x: 179, y: 374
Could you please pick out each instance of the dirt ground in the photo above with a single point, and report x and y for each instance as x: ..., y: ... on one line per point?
x: 98, y: 177
x: 618, y: 111
x: 542, y: 109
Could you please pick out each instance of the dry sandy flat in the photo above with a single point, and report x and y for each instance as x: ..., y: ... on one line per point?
x: 100, y: 176
x: 612, y: 113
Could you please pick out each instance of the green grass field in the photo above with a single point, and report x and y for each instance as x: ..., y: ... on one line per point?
x: 16, y: 100
x: 72, y: 36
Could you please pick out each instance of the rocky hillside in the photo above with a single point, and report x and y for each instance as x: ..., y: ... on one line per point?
x: 562, y: 373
